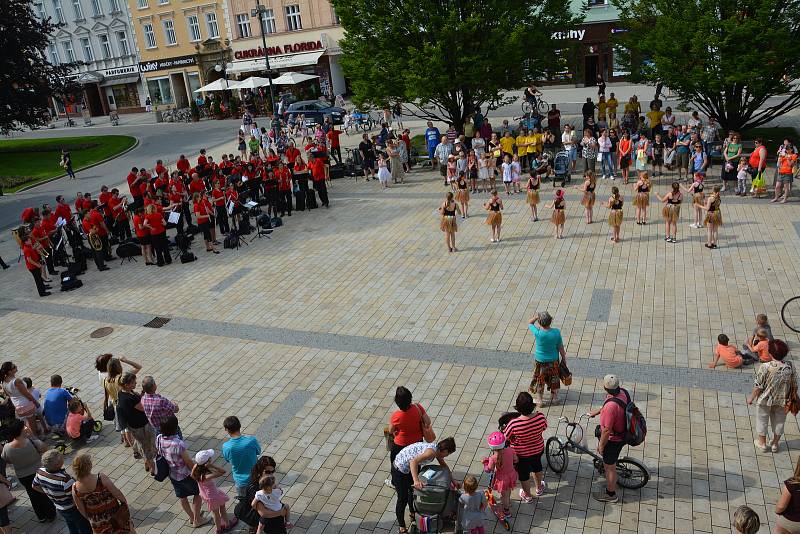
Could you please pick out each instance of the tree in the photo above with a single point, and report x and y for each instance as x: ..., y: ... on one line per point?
x: 735, y: 60
x: 448, y: 57
x: 27, y: 78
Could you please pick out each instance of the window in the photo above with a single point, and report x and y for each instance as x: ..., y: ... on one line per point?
x: 211, y: 24
x: 268, y: 18
x: 149, y: 36
x: 53, y: 51
x: 105, y: 46
x: 194, y: 28
x: 160, y: 91
x: 88, y: 53
x: 163, y: 2
x: 142, y: 4
x: 194, y: 81
x: 40, y: 12
x: 59, y: 11
x: 97, y: 11
x: 335, y: 15
x: 78, y: 9
x: 114, y: 6
x: 293, y: 22
x: 122, y: 39
x: 596, y: 3
x: 169, y: 32
x: 69, y: 53
x: 243, y: 23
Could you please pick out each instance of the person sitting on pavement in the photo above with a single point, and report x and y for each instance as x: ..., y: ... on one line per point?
x: 56, y: 403
x: 80, y: 424
x: 732, y: 358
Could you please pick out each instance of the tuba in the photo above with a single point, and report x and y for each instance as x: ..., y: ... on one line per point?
x: 94, y: 240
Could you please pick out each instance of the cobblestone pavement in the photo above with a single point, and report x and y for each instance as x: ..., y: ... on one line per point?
x: 305, y: 336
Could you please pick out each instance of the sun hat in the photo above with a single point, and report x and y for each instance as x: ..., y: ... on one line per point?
x: 204, y: 456
x: 611, y: 382
x: 496, y: 441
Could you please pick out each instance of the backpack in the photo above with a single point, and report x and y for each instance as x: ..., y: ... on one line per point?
x: 635, y: 425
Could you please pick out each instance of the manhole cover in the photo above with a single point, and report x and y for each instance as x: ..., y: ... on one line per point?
x: 157, y: 322
x: 101, y: 332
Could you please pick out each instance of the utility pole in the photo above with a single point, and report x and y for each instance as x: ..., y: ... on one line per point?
x: 259, y: 12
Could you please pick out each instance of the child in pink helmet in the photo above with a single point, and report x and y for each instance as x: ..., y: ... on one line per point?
x: 501, y: 462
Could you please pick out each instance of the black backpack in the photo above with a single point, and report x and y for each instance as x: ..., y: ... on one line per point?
x: 243, y: 511
x: 188, y: 257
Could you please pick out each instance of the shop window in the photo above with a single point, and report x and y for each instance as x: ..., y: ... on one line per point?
x: 169, y: 32
x: 149, y: 35
x: 243, y: 25
x: 268, y: 18
x: 211, y: 25
x: 194, y: 28
x: 293, y: 21
x: 160, y: 91
x: 126, y: 96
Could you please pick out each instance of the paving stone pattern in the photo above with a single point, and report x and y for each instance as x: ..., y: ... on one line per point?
x: 305, y: 337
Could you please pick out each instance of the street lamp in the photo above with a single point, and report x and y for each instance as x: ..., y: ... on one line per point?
x: 259, y: 12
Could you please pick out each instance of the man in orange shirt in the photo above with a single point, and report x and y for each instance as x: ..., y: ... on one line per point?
x: 33, y: 262
x: 319, y: 172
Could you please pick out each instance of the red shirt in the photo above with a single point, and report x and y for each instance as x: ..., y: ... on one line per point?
x: 218, y: 196
x: 156, y: 222
x: 232, y: 195
x: 140, y: 230
x: 183, y: 165
x: 63, y: 211
x: 177, y: 183
x: 96, y: 218
x: 86, y: 204
x: 407, y: 425
x: 78, y: 204
x: 160, y: 169
x: 197, y: 186
x: 103, y: 199
x: 40, y: 235
x: 284, y: 179
x: 49, y: 224
x: 291, y: 154
x: 31, y: 255
x: 333, y: 137
x: 317, y: 167
x: 612, y: 416
x: 135, y: 189
x: 525, y: 435
x: 116, y: 209
x: 160, y: 183
x: 175, y: 198
x: 27, y: 215
x: 226, y: 164
x: 202, y: 210
x: 201, y: 161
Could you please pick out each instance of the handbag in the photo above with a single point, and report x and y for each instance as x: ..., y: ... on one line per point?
x: 564, y: 373
x: 5, y: 496
x: 243, y: 511
x: 792, y: 400
x: 427, y: 430
x: 108, y: 413
x: 161, y: 471
x: 388, y: 436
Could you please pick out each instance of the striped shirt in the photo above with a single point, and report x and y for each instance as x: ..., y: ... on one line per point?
x: 57, y: 486
x: 525, y: 435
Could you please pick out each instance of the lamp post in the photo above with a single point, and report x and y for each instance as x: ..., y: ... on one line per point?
x: 275, y: 124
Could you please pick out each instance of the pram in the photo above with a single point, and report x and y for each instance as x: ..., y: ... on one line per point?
x: 561, y: 164
x: 437, y: 502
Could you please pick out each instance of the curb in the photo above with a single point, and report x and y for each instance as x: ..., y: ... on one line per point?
x: 95, y: 164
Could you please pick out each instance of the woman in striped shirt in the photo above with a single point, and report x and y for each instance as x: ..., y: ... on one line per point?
x: 525, y: 435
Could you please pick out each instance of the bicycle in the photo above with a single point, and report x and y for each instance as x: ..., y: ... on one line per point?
x: 631, y: 474
x: 541, y: 106
x: 790, y: 314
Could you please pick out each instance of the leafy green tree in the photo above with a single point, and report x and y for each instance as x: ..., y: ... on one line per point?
x: 448, y: 57
x: 27, y: 78
x: 735, y: 60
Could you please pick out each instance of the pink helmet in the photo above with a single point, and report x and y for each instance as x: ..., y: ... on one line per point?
x: 496, y: 441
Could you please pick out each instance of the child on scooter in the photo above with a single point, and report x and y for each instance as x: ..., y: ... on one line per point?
x: 501, y: 463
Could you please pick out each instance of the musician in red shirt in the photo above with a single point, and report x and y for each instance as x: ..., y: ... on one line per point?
x: 183, y: 164
x: 202, y: 211
x: 29, y: 214
x: 103, y: 198
x: 134, y: 184
x: 90, y: 227
x: 119, y: 216
x: 160, y: 169
x: 143, y: 235
x: 97, y: 220
x: 33, y: 262
x: 319, y: 173
x: 154, y: 222
x: 196, y: 185
x: 284, y: 177
x: 63, y: 210
x: 202, y: 161
x: 218, y: 199
x: 41, y: 242
x: 291, y: 154
x: 79, y: 205
x: 333, y: 141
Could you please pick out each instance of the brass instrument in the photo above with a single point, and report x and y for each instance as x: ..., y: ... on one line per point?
x: 41, y: 250
x: 94, y: 240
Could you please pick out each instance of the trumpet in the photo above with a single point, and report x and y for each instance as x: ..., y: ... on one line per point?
x: 94, y: 240
x: 41, y: 250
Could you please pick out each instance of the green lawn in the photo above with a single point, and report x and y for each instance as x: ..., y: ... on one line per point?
x: 24, y: 162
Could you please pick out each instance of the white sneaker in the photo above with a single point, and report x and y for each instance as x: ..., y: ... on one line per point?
x: 693, y: 225
x: 613, y: 177
x: 92, y: 438
x: 604, y: 177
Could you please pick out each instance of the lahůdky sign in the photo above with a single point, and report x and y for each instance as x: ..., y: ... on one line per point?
x: 308, y: 46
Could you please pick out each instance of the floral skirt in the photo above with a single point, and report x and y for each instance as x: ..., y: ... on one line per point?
x: 545, y: 374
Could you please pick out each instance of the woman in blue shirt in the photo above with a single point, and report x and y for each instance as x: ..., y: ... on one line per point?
x: 548, y: 347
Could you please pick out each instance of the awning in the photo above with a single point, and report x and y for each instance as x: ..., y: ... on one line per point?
x: 120, y: 80
x: 276, y: 62
x: 89, y: 77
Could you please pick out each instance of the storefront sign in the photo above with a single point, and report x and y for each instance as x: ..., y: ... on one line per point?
x: 576, y: 35
x: 120, y: 71
x: 308, y: 46
x: 169, y: 63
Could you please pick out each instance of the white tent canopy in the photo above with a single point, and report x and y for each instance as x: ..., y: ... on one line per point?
x: 220, y: 85
x: 292, y: 78
x: 252, y: 82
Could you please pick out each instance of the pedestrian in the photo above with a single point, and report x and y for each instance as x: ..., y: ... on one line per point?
x: 111, y: 389
x: 156, y: 407
x: 641, y: 199
x: 265, y: 466
x: 448, y: 223
x: 472, y: 504
x: 524, y: 433
x: 549, y: 346
x: 366, y: 150
x: 615, y: 214
x: 612, y: 425
x: 130, y: 409
x: 406, y: 424
x: 589, y: 150
x: 772, y: 384
x: 559, y: 215
x: 788, y: 506
x: 148, y: 105
x: 205, y: 472
x: 395, y: 161
x: 173, y: 450
x: 671, y: 211
x: 713, y: 217
x: 787, y: 169
x: 66, y: 162
x: 99, y: 500
x: 533, y: 186
x: 432, y: 138
x: 241, y: 452
x: 746, y: 521
x: 495, y: 218
x: 7, y: 500
x: 25, y: 454
x: 25, y: 405
x: 625, y: 147
x: 54, y: 481
x: 588, y: 200
x: 56, y: 404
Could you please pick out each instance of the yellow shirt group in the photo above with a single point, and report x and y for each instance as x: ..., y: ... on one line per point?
x: 507, y: 144
x: 655, y: 118
x: 611, y: 105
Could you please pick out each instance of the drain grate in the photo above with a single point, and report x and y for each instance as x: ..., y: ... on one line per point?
x: 101, y: 332
x: 157, y: 322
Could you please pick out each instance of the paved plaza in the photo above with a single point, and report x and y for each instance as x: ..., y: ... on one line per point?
x: 305, y: 337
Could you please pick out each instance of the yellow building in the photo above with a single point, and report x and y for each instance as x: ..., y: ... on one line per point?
x: 182, y: 44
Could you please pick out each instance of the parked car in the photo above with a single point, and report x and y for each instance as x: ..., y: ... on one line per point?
x: 316, y: 111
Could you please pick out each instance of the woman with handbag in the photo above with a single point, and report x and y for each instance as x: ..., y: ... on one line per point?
x: 25, y: 405
x: 774, y: 393
x: 410, y: 424
x: 99, y: 500
x: 549, y: 347
x: 111, y: 389
x: 25, y: 454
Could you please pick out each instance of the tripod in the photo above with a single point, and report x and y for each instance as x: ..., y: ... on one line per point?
x: 239, y: 239
x: 260, y: 230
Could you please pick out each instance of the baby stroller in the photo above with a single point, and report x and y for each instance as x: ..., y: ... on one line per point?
x: 561, y: 163
x: 437, y: 502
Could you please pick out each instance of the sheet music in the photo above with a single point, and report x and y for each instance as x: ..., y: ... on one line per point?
x: 251, y: 204
x: 174, y: 217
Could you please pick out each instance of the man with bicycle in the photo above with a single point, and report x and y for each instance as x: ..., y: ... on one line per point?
x: 612, y: 425
x: 531, y: 93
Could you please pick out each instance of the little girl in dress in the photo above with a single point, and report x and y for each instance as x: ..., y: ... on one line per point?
x: 204, y: 472
x: 267, y: 502
x: 501, y: 462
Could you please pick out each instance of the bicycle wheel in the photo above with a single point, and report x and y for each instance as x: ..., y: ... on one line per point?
x: 542, y: 106
x: 631, y: 474
x: 556, y: 453
x: 526, y: 107
x: 790, y: 314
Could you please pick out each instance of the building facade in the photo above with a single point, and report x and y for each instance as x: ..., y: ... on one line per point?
x: 588, y: 50
x: 96, y: 33
x: 182, y: 45
x: 302, y: 36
